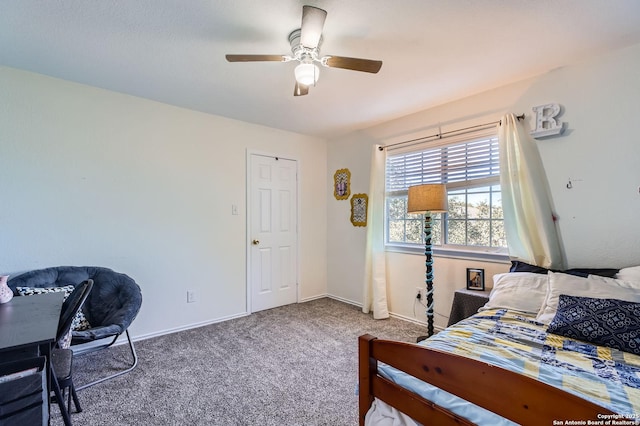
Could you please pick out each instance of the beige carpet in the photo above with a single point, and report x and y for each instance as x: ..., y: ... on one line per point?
x: 293, y: 365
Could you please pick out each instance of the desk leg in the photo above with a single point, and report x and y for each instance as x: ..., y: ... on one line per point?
x: 45, y: 350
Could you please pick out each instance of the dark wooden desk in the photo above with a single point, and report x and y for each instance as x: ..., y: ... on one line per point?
x: 29, y: 322
x: 28, y: 328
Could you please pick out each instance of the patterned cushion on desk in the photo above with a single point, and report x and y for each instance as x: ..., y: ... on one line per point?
x: 607, y: 322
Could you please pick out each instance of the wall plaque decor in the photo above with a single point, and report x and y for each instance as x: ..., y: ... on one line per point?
x: 547, y: 123
x: 342, y: 184
x: 359, y: 209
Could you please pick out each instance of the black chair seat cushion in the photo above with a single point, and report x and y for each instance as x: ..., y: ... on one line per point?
x: 111, y: 306
x: 62, y: 360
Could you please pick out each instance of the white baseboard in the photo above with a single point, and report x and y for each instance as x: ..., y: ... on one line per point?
x: 341, y: 299
x: 309, y: 299
x: 406, y: 318
x: 415, y: 321
x: 137, y: 338
x: 391, y: 314
x: 191, y: 326
x: 123, y: 339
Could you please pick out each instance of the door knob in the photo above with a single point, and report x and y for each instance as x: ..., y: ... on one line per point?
x: 255, y: 242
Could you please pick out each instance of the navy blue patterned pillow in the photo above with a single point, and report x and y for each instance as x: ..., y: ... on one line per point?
x: 605, y: 322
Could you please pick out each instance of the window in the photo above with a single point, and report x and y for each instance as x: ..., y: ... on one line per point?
x: 471, y: 170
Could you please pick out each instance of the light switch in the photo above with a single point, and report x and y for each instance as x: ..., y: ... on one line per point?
x: 234, y: 209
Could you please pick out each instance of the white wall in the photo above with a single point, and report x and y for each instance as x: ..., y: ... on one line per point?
x: 599, y: 152
x: 92, y: 177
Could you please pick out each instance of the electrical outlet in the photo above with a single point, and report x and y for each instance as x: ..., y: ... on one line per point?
x: 419, y: 293
x: 191, y: 296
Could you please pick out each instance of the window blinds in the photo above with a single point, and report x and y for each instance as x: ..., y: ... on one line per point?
x: 465, y: 163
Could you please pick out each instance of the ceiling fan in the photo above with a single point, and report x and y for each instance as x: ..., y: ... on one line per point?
x: 305, y: 46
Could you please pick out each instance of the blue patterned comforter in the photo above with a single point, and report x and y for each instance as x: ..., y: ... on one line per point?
x: 516, y: 342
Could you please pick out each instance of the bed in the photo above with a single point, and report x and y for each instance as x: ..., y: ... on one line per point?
x: 540, y: 352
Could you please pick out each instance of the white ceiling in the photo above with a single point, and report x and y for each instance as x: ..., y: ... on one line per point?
x: 434, y: 51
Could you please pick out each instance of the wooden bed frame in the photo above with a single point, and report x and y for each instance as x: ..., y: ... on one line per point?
x: 516, y: 397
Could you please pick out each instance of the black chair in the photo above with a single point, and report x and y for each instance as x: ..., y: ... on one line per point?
x: 62, y: 358
x: 111, y: 307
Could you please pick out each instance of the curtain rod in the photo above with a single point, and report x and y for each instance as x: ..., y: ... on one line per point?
x: 440, y: 135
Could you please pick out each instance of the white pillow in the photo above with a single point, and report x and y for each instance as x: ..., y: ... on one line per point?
x: 628, y: 284
x: 629, y: 274
x: 520, y: 291
x: 593, y: 286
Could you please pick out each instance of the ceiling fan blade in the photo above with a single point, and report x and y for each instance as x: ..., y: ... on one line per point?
x: 254, y: 58
x: 312, y: 24
x: 355, y: 64
x: 300, y: 89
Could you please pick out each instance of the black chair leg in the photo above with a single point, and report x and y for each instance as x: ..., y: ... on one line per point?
x: 76, y: 401
x: 60, y: 400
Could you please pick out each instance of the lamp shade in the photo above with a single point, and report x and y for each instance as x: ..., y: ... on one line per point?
x: 307, y: 74
x: 427, y: 198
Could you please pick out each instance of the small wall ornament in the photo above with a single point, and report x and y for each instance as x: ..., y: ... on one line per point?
x: 546, y: 122
x: 342, y: 184
x: 359, y: 204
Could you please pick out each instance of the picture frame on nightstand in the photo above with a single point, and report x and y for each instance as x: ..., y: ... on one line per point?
x: 475, y: 279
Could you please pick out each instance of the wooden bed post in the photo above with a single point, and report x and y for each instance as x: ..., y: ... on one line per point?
x: 367, y: 367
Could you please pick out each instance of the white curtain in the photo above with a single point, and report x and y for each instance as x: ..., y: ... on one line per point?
x: 375, y: 277
x: 529, y: 219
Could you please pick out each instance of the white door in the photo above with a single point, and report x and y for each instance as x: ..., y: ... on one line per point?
x: 272, y: 232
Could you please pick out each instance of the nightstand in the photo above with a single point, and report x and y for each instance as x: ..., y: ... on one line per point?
x: 466, y: 303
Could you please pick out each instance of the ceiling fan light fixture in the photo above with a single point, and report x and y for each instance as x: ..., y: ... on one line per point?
x: 307, y: 74
x: 305, y: 45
